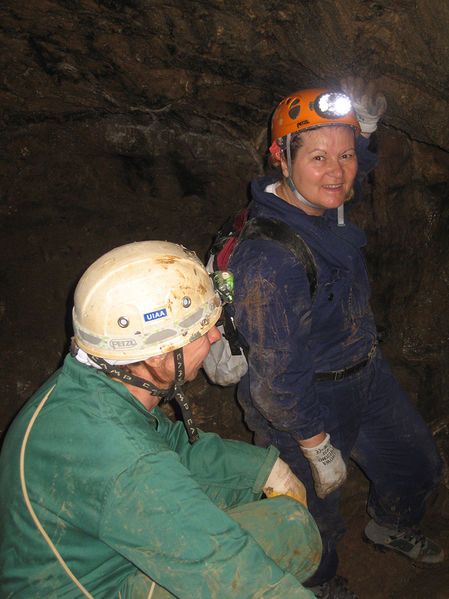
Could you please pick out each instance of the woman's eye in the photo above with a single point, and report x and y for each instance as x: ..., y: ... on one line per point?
x: 318, y: 157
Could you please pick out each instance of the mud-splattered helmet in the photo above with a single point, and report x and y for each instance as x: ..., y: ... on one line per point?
x: 143, y: 299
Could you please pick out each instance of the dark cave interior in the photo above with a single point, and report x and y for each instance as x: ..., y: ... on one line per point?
x: 125, y: 121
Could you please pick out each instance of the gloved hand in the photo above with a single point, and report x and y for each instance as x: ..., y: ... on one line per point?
x: 282, y: 481
x: 327, y: 465
x: 368, y: 104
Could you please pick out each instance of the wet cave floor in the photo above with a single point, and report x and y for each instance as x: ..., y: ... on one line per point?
x: 371, y: 574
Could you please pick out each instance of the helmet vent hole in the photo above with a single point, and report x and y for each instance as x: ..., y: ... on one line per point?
x: 295, y: 109
x: 123, y: 322
x: 186, y: 301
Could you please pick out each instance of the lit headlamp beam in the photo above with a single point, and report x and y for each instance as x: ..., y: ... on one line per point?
x: 331, y: 105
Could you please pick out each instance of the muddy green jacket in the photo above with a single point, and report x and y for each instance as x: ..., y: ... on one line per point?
x: 120, y: 491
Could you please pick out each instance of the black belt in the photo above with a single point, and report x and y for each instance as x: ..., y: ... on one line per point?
x: 339, y: 375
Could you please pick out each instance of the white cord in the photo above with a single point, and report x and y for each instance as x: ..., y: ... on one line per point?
x: 30, y: 508
x: 33, y: 514
x: 341, y: 215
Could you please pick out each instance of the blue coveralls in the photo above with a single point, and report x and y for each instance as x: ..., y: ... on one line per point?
x: 289, y: 339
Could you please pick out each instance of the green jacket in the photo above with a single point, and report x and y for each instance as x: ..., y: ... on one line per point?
x: 119, y: 490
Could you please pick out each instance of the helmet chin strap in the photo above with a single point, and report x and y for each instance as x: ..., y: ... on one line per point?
x: 290, y: 181
x: 173, y: 392
x: 180, y: 398
x: 299, y: 196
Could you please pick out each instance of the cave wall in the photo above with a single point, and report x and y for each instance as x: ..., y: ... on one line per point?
x: 144, y: 119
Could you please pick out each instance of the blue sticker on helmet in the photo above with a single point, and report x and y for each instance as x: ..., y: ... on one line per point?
x: 155, y: 315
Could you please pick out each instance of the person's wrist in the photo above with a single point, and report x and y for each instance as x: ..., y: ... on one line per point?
x: 313, y: 441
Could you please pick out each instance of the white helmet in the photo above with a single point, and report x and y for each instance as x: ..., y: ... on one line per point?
x: 143, y: 299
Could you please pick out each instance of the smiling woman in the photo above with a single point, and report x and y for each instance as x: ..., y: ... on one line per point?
x: 317, y: 386
x: 305, y: 111
x: 323, y: 169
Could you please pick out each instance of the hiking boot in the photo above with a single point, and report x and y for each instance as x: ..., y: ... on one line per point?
x: 405, y: 541
x: 333, y: 589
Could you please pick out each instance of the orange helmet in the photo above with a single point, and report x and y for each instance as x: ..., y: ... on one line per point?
x: 308, y: 109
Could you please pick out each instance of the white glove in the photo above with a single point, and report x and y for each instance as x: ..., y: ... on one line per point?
x: 327, y: 465
x: 368, y: 104
x: 282, y: 481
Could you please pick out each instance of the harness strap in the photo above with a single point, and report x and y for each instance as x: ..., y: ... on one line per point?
x: 271, y: 229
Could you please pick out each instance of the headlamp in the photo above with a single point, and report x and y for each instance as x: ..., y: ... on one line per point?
x: 331, y: 105
x: 223, y: 281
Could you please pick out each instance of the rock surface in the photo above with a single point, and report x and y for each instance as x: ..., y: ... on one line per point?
x: 143, y: 119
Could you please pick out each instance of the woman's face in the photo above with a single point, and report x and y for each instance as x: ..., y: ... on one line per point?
x: 323, y: 169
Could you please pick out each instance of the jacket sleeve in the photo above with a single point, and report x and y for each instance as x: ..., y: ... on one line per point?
x: 273, y: 315
x: 229, y: 472
x: 157, y: 516
x: 367, y: 161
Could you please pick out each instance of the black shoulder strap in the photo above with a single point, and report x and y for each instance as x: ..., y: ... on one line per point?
x: 271, y: 229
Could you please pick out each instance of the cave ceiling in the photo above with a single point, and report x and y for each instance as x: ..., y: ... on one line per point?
x: 221, y: 64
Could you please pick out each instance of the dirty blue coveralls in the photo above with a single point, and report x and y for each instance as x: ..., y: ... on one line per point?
x: 290, y: 339
x: 127, y: 500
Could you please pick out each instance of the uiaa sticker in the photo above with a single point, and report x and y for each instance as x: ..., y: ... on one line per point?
x: 155, y: 315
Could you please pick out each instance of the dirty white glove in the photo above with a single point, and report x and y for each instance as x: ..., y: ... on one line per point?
x: 282, y: 481
x: 327, y: 465
x: 368, y: 104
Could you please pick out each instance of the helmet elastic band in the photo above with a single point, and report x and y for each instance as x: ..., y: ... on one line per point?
x: 173, y: 392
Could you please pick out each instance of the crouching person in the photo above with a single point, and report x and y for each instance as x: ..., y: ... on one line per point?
x: 104, y: 496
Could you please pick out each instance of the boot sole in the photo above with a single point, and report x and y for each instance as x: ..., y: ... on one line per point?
x: 383, y: 549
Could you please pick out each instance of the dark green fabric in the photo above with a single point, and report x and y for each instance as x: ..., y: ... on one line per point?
x: 279, y: 525
x: 120, y: 491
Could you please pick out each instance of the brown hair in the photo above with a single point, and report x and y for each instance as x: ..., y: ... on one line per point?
x: 296, y: 142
